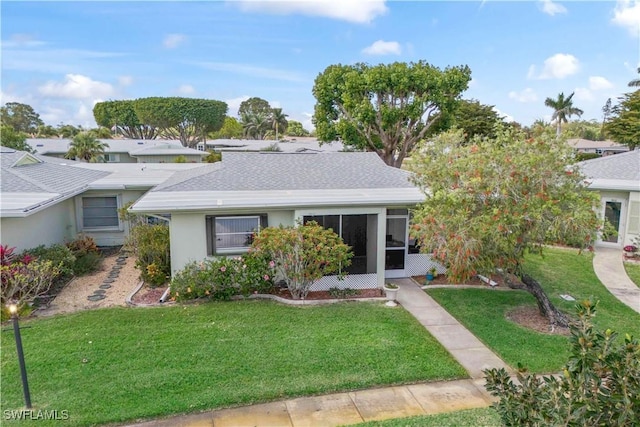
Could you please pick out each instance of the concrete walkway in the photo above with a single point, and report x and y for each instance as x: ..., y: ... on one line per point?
x: 468, y: 350
x: 374, y: 404
x: 609, y: 267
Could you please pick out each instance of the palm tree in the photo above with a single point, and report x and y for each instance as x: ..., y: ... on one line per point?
x: 85, y: 147
x: 278, y: 119
x: 255, y: 125
x: 635, y: 82
x: 562, y: 109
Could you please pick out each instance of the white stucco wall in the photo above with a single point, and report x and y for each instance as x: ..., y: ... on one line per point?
x: 55, y: 224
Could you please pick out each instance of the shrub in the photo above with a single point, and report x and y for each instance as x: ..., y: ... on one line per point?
x: 600, y: 384
x: 150, y: 244
x: 59, y: 255
x: 23, y: 279
x: 302, y: 254
x: 222, y: 278
x: 213, y: 157
x: 336, y: 292
x: 87, y: 255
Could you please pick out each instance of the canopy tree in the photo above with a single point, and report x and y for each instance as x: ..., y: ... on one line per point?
x: 295, y: 128
x: 472, y: 117
x: 10, y: 138
x: 385, y: 108
x: 121, y: 116
x: 635, y: 82
x: 230, y: 129
x: 186, y: 119
x: 254, y: 106
x: 563, y: 109
x: 490, y: 201
x: 85, y: 147
x: 21, y: 117
x: 623, y: 124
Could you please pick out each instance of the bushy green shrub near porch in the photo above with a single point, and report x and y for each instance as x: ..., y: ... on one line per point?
x: 59, y: 255
x: 87, y: 255
x: 150, y: 244
x: 222, y: 278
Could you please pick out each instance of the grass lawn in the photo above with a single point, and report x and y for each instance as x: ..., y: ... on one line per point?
x: 561, y: 271
x: 633, y: 271
x: 485, y: 417
x: 119, y: 364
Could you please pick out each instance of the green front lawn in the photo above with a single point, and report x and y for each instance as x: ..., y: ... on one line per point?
x: 485, y: 417
x: 560, y: 272
x: 633, y: 271
x: 120, y: 364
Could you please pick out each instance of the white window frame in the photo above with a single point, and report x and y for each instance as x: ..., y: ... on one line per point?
x: 81, y: 216
x: 235, y: 250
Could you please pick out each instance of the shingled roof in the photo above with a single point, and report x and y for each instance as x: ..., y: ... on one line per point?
x: 29, y: 183
x: 245, y: 180
x: 618, y: 171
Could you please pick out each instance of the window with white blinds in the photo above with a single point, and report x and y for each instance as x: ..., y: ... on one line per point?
x: 232, y: 234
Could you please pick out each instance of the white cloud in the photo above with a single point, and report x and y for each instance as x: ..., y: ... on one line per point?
x: 125, y: 80
x: 234, y: 104
x: 22, y: 40
x: 599, y: 83
x: 347, y: 10
x: 551, y: 8
x: 557, y: 66
x: 583, y: 94
x: 526, y: 95
x: 505, y: 116
x: 172, y: 41
x: 77, y: 86
x: 627, y: 15
x: 185, y: 90
x: 381, y: 47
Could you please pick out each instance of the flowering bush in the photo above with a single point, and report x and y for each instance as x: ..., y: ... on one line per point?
x: 23, y: 278
x: 303, y: 254
x: 630, y: 248
x: 222, y: 278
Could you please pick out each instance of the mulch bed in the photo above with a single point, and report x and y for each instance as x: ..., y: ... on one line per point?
x: 530, y: 317
x: 148, y: 295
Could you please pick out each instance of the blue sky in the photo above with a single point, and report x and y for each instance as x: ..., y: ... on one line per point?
x: 62, y: 57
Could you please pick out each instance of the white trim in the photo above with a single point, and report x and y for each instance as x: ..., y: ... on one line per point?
x: 622, y: 225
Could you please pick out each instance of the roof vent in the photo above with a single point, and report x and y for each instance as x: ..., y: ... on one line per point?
x: 39, y: 145
x: 140, y: 143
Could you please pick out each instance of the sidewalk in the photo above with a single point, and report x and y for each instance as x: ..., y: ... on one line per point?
x: 609, y: 267
x: 374, y: 404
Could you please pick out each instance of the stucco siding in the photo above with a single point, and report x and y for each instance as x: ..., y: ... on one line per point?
x: 47, y: 227
x: 188, y: 239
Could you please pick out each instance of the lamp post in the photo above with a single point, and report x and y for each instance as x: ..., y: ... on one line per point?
x: 13, y: 309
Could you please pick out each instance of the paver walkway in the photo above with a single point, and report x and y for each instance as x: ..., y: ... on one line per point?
x: 609, y: 267
x: 380, y: 403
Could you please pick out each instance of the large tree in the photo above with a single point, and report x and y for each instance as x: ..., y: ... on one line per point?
x: 20, y: 117
x: 11, y: 138
x: 385, y: 108
x: 85, y: 147
x: 253, y: 106
x: 635, y: 82
x: 122, y: 118
x: 472, y: 117
x: 255, y: 125
x: 623, y: 124
x: 489, y: 202
x: 230, y: 129
x: 295, y: 128
x: 563, y: 109
x: 186, y: 119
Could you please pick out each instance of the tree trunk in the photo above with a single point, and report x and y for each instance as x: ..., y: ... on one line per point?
x: 547, y: 309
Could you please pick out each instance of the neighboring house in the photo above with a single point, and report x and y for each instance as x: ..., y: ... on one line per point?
x: 617, y: 179
x: 215, y: 209
x: 602, y: 148
x: 46, y: 200
x: 290, y: 145
x: 125, y: 150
